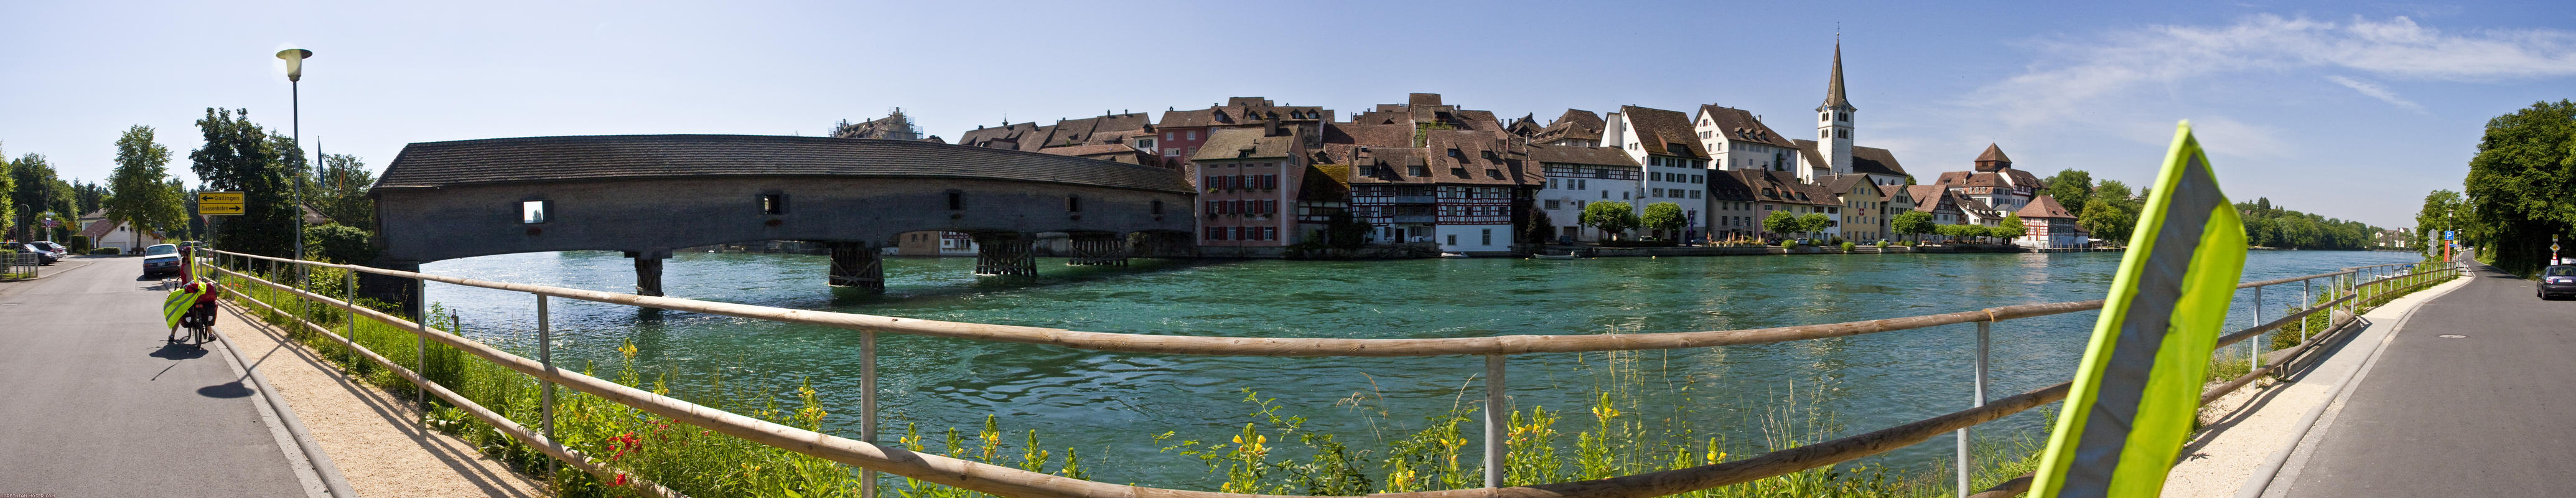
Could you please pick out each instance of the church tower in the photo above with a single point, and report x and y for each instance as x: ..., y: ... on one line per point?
x: 1834, y: 124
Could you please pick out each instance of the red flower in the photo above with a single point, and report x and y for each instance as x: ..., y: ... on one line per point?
x: 620, y: 481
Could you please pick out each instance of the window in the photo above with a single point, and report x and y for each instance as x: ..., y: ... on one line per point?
x: 1659, y: 192
x: 1552, y: 204
x: 773, y: 204
x: 956, y: 201
x: 1194, y: 135
x: 1171, y: 136
x: 1694, y: 194
x: 1489, y: 237
x: 1158, y: 206
x: 1453, y: 239
x: 533, y: 211
x: 1073, y: 203
x: 1216, y: 233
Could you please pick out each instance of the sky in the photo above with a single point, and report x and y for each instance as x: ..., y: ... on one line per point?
x: 2351, y: 110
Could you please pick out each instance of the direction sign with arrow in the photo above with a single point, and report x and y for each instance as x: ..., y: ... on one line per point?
x: 219, y: 203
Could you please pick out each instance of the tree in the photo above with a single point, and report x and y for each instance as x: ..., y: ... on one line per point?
x: 1345, y: 232
x: 88, y: 197
x: 2108, y: 220
x: 240, y: 156
x: 1814, y: 222
x: 1611, y: 218
x: 8, y: 189
x: 2072, y: 188
x: 143, y: 197
x: 1782, y: 223
x: 340, y: 192
x: 2009, y: 229
x: 1912, y: 223
x: 340, y: 243
x: 34, y: 195
x: 2442, y: 211
x: 1536, y: 227
x: 1663, y: 216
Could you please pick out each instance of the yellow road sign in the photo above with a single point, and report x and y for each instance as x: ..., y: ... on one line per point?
x: 219, y: 197
x: 218, y: 209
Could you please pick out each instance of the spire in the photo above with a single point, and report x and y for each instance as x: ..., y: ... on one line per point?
x: 1834, y: 89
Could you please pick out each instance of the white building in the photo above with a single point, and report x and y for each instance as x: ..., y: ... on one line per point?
x: 1676, y: 167
x: 1994, y: 182
x: 122, y: 236
x: 1578, y: 176
x: 1833, y: 151
x: 1737, y: 140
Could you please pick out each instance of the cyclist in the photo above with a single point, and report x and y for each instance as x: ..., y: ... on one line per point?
x: 198, y: 295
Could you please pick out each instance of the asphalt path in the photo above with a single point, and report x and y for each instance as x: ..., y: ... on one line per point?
x: 94, y: 403
x: 2491, y: 412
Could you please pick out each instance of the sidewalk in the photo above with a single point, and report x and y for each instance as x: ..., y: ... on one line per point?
x: 2247, y: 430
x: 375, y: 437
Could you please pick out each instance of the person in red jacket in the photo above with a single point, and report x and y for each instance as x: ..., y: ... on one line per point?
x: 201, y: 314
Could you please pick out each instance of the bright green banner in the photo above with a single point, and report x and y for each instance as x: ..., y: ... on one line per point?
x: 2138, y: 388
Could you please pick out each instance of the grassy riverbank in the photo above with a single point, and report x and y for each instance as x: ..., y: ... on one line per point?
x: 1272, y: 453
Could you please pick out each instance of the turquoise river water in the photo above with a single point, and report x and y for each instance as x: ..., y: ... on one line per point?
x: 1110, y: 405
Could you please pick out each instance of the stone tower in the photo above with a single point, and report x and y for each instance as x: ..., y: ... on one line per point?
x: 1834, y: 124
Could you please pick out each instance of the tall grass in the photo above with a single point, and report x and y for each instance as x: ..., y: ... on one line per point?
x: 1272, y: 452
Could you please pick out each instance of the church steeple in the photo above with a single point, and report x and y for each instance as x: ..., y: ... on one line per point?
x: 1834, y: 89
x: 1834, y: 123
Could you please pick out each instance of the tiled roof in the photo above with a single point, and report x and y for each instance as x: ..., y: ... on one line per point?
x: 1729, y: 186
x: 1873, y: 160
x: 1930, y: 198
x: 2044, y: 206
x: 1242, y: 111
x: 1994, y: 153
x: 1807, y: 149
x: 1576, y: 124
x: 1577, y: 154
x: 1740, y: 125
x: 1892, y: 191
x: 1372, y: 135
x: 1245, y: 143
x: 1663, y: 132
x: 1006, y: 137
x: 1326, y: 182
x: 97, y: 229
x: 1448, y: 157
x: 540, y: 159
x: 1783, y: 187
x: 1844, y: 184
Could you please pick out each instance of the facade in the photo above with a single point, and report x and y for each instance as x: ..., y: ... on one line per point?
x: 1933, y: 200
x: 1676, y: 166
x: 1778, y: 191
x: 1861, y: 220
x: 1737, y: 139
x: 1576, y: 176
x: 1898, y: 201
x: 1993, y: 182
x: 122, y: 236
x: 2047, y: 225
x: 1428, y: 172
x: 1181, y: 133
x: 1248, y: 182
x: 1734, y: 214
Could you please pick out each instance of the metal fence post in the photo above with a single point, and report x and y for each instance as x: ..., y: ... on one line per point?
x: 868, y: 405
x: 1497, y: 415
x: 2304, y: 301
x: 1965, y: 471
x: 2254, y: 349
x: 546, y: 387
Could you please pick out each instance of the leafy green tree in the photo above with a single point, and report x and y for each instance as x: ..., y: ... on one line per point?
x: 2519, y: 185
x: 340, y: 193
x: 1664, y: 216
x: 143, y: 195
x: 1782, y: 223
x: 2073, y: 188
x: 2114, y: 190
x: 2443, y: 210
x: 1912, y: 223
x: 2010, y: 228
x: 88, y: 197
x: 8, y: 190
x: 1345, y: 232
x: 340, y: 243
x: 1814, y: 222
x: 2108, y: 219
x: 34, y: 196
x: 1611, y: 218
x: 240, y: 156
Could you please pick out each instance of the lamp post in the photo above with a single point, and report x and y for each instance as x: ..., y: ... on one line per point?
x: 294, y: 75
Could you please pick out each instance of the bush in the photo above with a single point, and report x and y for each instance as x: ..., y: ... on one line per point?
x: 341, y: 243
x: 1836, y: 240
x: 1792, y: 244
x: 79, y: 243
x: 103, y: 251
x: 1847, y: 247
x: 1882, y: 242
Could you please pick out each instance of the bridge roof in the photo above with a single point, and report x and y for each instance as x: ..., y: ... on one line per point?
x: 596, y: 157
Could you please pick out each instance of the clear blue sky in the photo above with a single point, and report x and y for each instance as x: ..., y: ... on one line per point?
x: 2352, y: 110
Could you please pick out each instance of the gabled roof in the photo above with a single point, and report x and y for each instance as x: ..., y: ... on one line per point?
x: 1993, y: 153
x: 1807, y: 149
x: 97, y: 229
x: 1448, y: 157
x: 1876, y: 161
x: 1577, y: 154
x: 1575, y: 124
x: 1844, y: 184
x: 575, y: 158
x: 1326, y: 183
x: 2044, y: 206
x: 1931, y: 198
x: 1783, y: 187
x: 1372, y: 135
x: 1729, y: 186
x: 1740, y: 125
x: 1245, y: 143
x: 1894, y: 191
x: 1242, y: 111
x: 1664, y: 133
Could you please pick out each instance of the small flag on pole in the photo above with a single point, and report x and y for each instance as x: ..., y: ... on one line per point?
x: 2138, y: 387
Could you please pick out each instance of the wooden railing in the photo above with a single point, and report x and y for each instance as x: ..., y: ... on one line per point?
x: 2349, y: 286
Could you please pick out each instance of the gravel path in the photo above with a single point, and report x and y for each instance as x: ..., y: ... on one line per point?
x: 372, y: 435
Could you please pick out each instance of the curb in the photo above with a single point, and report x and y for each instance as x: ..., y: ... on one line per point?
x: 332, y: 481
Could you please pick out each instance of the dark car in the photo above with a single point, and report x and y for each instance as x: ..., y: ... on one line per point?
x: 2557, y: 281
x: 160, y: 259
x: 43, y: 256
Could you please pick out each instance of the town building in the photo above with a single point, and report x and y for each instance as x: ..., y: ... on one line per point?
x: 1736, y: 139
x: 2047, y: 225
x: 1578, y: 175
x: 1938, y: 202
x: 1861, y: 220
x: 102, y: 232
x: 1575, y: 127
x: 1781, y: 191
x: 1428, y: 172
x: 1734, y: 214
x: 1898, y: 200
x: 1676, y: 165
x: 1181, y: 133
x: 1994, y: 181
x: 1248, y: 182
x: 1134, y: 129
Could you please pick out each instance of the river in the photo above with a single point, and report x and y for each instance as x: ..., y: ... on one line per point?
x: 1109, y: 405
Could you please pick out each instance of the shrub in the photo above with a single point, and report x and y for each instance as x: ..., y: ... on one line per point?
x: 79, y: 243
x: 1789, y: 244
x: 1882, y: 242
x: 341, y: 243
x: 1847, y: 247
x: 103, y: 251
x: 1836, y: 240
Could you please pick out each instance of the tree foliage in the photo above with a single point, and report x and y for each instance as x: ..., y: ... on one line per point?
x: 2443, y: 210
x: 37, y: 195
x: 1664, y: 216
x: 2278, y: 226
x: 1781, y: 222
x: 1814, y: 222
x: 1912, y: 223
x: 240, y: 156
x: 2073, y: 188
x: 1612, y: 218
x: 2519, y: 185
x: 2010, y: 228
x: 143, y: 194
x: 340, y: 243
x: 340, y: 193
x: 8, y: 191
x: 1536, y: 228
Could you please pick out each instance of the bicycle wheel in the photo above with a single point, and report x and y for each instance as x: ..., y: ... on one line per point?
x: 204, y: 334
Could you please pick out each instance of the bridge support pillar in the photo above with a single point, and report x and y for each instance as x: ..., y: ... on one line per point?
x: 391, y: 289
x: 1005, y: 254
x: 855, y: 264
x: 1101, y: 249
x: 648, y: 271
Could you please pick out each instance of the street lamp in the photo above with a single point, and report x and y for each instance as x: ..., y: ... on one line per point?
x: 294, y: 75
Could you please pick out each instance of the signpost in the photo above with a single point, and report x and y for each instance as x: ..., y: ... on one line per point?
x: 219, y: 203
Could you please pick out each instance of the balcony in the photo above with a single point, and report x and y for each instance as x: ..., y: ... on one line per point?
x: 1415, y: 218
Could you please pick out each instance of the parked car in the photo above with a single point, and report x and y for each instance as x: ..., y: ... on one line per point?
x: 43, y: 257
x: 160, y: 259
x: 2557, y: 281
x: 59, y: 251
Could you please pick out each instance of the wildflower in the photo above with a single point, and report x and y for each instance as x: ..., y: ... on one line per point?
x: 620, y: 481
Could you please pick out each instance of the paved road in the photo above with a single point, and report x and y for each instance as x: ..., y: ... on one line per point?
x: 93, y: 403
x: 2489, y: 414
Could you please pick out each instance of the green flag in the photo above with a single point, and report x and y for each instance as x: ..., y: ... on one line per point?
x: 2139, y: 385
